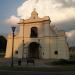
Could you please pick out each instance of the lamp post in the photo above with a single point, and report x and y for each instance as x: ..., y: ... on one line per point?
x: 13, y: 30
x: 23, y: 39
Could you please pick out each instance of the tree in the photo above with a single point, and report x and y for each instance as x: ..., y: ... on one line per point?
x: 3, y: 43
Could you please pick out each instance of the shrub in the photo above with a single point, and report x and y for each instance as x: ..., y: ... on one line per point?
x: 60, y: 62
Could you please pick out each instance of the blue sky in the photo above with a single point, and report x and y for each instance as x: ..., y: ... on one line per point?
x: 8, y: 8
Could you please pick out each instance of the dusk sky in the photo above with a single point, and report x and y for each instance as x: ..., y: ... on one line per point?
x: 61, y: 13
x: 8, y: 8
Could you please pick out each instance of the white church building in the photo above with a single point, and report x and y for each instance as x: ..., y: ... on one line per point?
x: 37, y: 39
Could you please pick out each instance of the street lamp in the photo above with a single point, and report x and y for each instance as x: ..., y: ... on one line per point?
x: 13, y: 30
x: 23, y: 40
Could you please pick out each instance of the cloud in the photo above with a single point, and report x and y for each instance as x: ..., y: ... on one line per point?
x: 71, y: 34
x: 66, y: 25
x: 52, y: 8
x: 12, y: 20
x: 71, y: 37
x: 67, y: 3
x: 61, y: 12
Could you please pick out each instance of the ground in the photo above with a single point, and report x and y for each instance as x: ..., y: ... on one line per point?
x: 40, y: 65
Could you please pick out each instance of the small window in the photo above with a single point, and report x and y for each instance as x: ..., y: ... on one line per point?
x: 56, y: 52
x: 34, y: 32
x: 16, y: 52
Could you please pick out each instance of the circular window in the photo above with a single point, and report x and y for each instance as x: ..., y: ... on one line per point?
x: 16, y: 52
x: 56, y: 52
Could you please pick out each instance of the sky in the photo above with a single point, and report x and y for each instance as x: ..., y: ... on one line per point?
x: 61, y: 13
x: 8, y: 8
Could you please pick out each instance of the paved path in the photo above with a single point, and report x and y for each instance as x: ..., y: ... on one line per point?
x: 38, y: 63
x: 36, y: 73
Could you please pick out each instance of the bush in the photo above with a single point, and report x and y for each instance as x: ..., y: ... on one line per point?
x: 60, y: 62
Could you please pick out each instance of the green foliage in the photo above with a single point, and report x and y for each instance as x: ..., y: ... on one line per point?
x: 3, y: 43
x: 63, y: 62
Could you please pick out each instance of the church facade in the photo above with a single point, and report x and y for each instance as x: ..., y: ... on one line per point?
x: 37, y: 39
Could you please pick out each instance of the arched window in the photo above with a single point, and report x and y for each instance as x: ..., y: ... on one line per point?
x: 34, y: 32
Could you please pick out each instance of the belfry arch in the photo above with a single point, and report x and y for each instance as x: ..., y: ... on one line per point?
x: 34, y: 32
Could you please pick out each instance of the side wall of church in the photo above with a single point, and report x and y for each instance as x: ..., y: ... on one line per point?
x: 63, y: 48
x: 17, y: 43
x: 59, y: 48
x: 8, y: 48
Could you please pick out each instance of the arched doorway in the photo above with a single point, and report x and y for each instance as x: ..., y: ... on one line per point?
x: 33, y: 50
